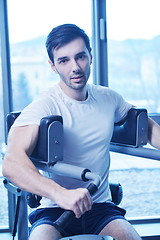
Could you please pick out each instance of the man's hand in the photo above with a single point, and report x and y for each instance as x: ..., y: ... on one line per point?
x: 77, y: 200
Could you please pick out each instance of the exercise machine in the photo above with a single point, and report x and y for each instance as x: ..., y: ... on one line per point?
x: 48, y: 156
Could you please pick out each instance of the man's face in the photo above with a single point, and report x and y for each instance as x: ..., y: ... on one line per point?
x: 72, y: 62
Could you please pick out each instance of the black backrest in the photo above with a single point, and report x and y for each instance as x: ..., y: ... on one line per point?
x: 47, y: 150
x: 133, y: 131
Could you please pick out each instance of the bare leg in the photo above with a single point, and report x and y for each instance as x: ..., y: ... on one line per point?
x: 45, y: 231
x: 120, y: 230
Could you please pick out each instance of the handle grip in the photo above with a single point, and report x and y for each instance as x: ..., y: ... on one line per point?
x: 92, y: 188
x: 61, y: 223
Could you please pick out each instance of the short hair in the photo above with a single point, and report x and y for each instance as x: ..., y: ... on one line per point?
x: 63, y: 34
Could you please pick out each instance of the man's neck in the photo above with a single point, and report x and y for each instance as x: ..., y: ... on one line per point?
x: 76, y: 94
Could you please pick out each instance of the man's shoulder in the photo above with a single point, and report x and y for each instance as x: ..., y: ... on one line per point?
x: 49, y: 92
x: 100, y: 89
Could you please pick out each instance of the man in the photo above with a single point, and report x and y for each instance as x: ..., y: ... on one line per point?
x: 89, y: 113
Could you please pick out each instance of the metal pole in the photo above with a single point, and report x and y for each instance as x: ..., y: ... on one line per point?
x: 5, y: 58
x: 99, y: 40
x: 144, y: 152
x: 7, y: 87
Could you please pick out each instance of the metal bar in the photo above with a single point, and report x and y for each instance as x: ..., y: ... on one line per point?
x: 23, y: 219
x: 68, y: 170
x: 11, y: 208
x: 12, y: 188
x: 61, y: 169
x: 99, y: 40
x: 144, y: 152
x: 5, y: 58
x: 94, y: 177
x: 7, y: 87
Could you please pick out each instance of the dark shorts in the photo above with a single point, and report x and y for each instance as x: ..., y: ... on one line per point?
x: 92, y: 222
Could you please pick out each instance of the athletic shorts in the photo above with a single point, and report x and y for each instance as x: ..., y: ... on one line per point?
x: 91, y: 222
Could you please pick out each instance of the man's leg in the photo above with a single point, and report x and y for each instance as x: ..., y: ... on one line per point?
x: 120, y: 230
x: 45, y: 231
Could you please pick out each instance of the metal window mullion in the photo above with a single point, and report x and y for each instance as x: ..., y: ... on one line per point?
x: 7, y: 86
x: 99, y: 39
x: 5, y: 59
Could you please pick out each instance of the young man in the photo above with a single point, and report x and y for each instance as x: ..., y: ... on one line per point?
x: 89, y: 113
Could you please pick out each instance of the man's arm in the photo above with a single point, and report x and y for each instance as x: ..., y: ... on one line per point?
x: 20, y: 170
x: 153, y: 133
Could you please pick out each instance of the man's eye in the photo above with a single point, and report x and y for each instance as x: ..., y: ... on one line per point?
x: 63, y: 61
x: 82, y: 57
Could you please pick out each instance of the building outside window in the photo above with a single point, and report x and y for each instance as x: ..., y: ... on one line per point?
x: 29, y: 60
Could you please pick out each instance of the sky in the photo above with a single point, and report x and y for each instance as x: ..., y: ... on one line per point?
x: 125, y: 18
x: 33, y: 18
x: 133, y: 18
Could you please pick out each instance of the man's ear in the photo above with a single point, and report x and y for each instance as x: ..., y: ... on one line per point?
x: 91, y: 58
x: 52, y: 66
x: 91, y: 55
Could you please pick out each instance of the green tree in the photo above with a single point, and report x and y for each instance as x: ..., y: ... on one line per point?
x: 21, y: 96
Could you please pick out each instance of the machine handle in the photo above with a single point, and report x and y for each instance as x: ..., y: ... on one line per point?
x: 61, y: 223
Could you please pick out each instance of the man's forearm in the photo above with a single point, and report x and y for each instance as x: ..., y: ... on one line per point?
x: 25, y: 175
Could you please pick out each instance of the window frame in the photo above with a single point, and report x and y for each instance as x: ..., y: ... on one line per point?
x: 7, y: 90
x: 100, y: 69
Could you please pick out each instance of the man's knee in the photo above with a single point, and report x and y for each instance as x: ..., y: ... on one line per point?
x: 121, y: 230
x: 44, y: 231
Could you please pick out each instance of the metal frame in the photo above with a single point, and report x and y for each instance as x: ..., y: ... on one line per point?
x: 7, y: 86
x: 5, y: 57
x: 99, y: 40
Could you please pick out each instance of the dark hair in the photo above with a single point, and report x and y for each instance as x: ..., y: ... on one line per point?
x: 63, y: 34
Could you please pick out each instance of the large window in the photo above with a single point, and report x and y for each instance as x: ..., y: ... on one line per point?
x: 134, y: 72
x: 133, y: 66
x: 134, y: 51
x: 29, y: 24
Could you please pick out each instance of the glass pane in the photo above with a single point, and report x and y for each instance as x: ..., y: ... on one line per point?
x: 29, y: 24
x: 139, y: 178
x: 133, y: 51
x: 3, y: 191
x: 134, y: 71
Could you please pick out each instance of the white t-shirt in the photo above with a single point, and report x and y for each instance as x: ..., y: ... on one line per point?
x: 88, y: 127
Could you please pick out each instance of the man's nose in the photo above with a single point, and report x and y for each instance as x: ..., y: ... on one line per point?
x: 75, y: 66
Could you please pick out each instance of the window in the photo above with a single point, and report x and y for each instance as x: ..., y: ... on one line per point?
x: 29, y: 24
x: 3, y: 192
x: 134, y: 71
x: 133, y: 51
